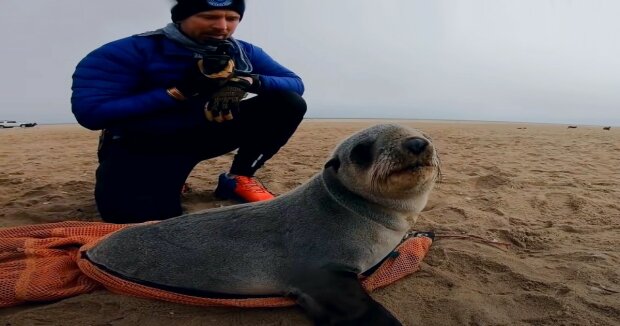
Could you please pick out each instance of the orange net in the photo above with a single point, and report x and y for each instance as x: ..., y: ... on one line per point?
x: 38, y: 262
x: 44, y: 262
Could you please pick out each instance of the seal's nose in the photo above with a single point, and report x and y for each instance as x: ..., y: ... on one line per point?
x: 415, y: 145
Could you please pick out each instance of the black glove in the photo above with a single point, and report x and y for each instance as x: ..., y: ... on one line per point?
x: 207, y: 75
x: 225, y: 102
x: 256, y: 84
x: 210, y: 72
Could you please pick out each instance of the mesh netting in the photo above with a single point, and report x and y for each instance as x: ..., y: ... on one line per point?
x: 38, y: 262
x: 42, y: 263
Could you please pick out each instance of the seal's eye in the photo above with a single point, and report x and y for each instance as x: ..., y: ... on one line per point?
x: 333, y: 163
x: 361, y: 154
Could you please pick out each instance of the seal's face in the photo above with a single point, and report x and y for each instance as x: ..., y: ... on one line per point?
x: 388, y: 164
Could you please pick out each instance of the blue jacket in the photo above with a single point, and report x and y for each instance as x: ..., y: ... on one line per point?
x: 121, y: 86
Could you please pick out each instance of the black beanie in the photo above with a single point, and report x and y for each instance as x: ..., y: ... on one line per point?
x: 186, y: 8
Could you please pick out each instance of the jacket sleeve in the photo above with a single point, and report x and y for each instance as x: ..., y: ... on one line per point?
x: 106, y: 88
x: 273, y: 75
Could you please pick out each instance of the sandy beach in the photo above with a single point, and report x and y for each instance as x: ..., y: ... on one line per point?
x: 550, y: 193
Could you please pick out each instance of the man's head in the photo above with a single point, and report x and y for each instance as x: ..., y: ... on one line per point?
x: 202, y: 20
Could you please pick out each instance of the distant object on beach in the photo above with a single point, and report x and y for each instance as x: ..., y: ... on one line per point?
x: 572, y: 127
x: 521, y: 128
x: 12, y: 123
x: 606, y: 128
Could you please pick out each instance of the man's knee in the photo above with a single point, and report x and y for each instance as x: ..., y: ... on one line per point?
x: 296, y: 104
x: 285, y: 103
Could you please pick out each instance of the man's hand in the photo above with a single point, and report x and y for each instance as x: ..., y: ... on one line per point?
x: 225, y: 102
x: 209, y: 74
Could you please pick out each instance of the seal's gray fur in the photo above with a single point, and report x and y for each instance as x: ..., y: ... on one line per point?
x: 351, y: 215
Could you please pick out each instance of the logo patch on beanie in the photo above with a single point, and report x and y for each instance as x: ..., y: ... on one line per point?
x: 219, y: 3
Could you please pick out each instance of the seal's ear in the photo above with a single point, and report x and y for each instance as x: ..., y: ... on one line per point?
x: 334, y: 162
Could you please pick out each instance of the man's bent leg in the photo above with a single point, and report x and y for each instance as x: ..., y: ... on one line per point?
x: 267, y: 123
x: 134, y: 187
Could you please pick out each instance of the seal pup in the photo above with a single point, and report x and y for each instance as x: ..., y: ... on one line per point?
x: 310, y: 243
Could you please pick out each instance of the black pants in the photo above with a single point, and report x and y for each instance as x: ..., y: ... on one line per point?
x: 140, y: 179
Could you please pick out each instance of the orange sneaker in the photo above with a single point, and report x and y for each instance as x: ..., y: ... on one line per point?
x: 245, y: 189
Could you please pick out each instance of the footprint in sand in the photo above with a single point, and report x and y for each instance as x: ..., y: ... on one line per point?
x: 491, y: 181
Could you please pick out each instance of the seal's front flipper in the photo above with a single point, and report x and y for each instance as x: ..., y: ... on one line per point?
x: 337, y: 298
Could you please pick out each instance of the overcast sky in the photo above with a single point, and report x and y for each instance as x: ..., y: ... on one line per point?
x: 555, y: 61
